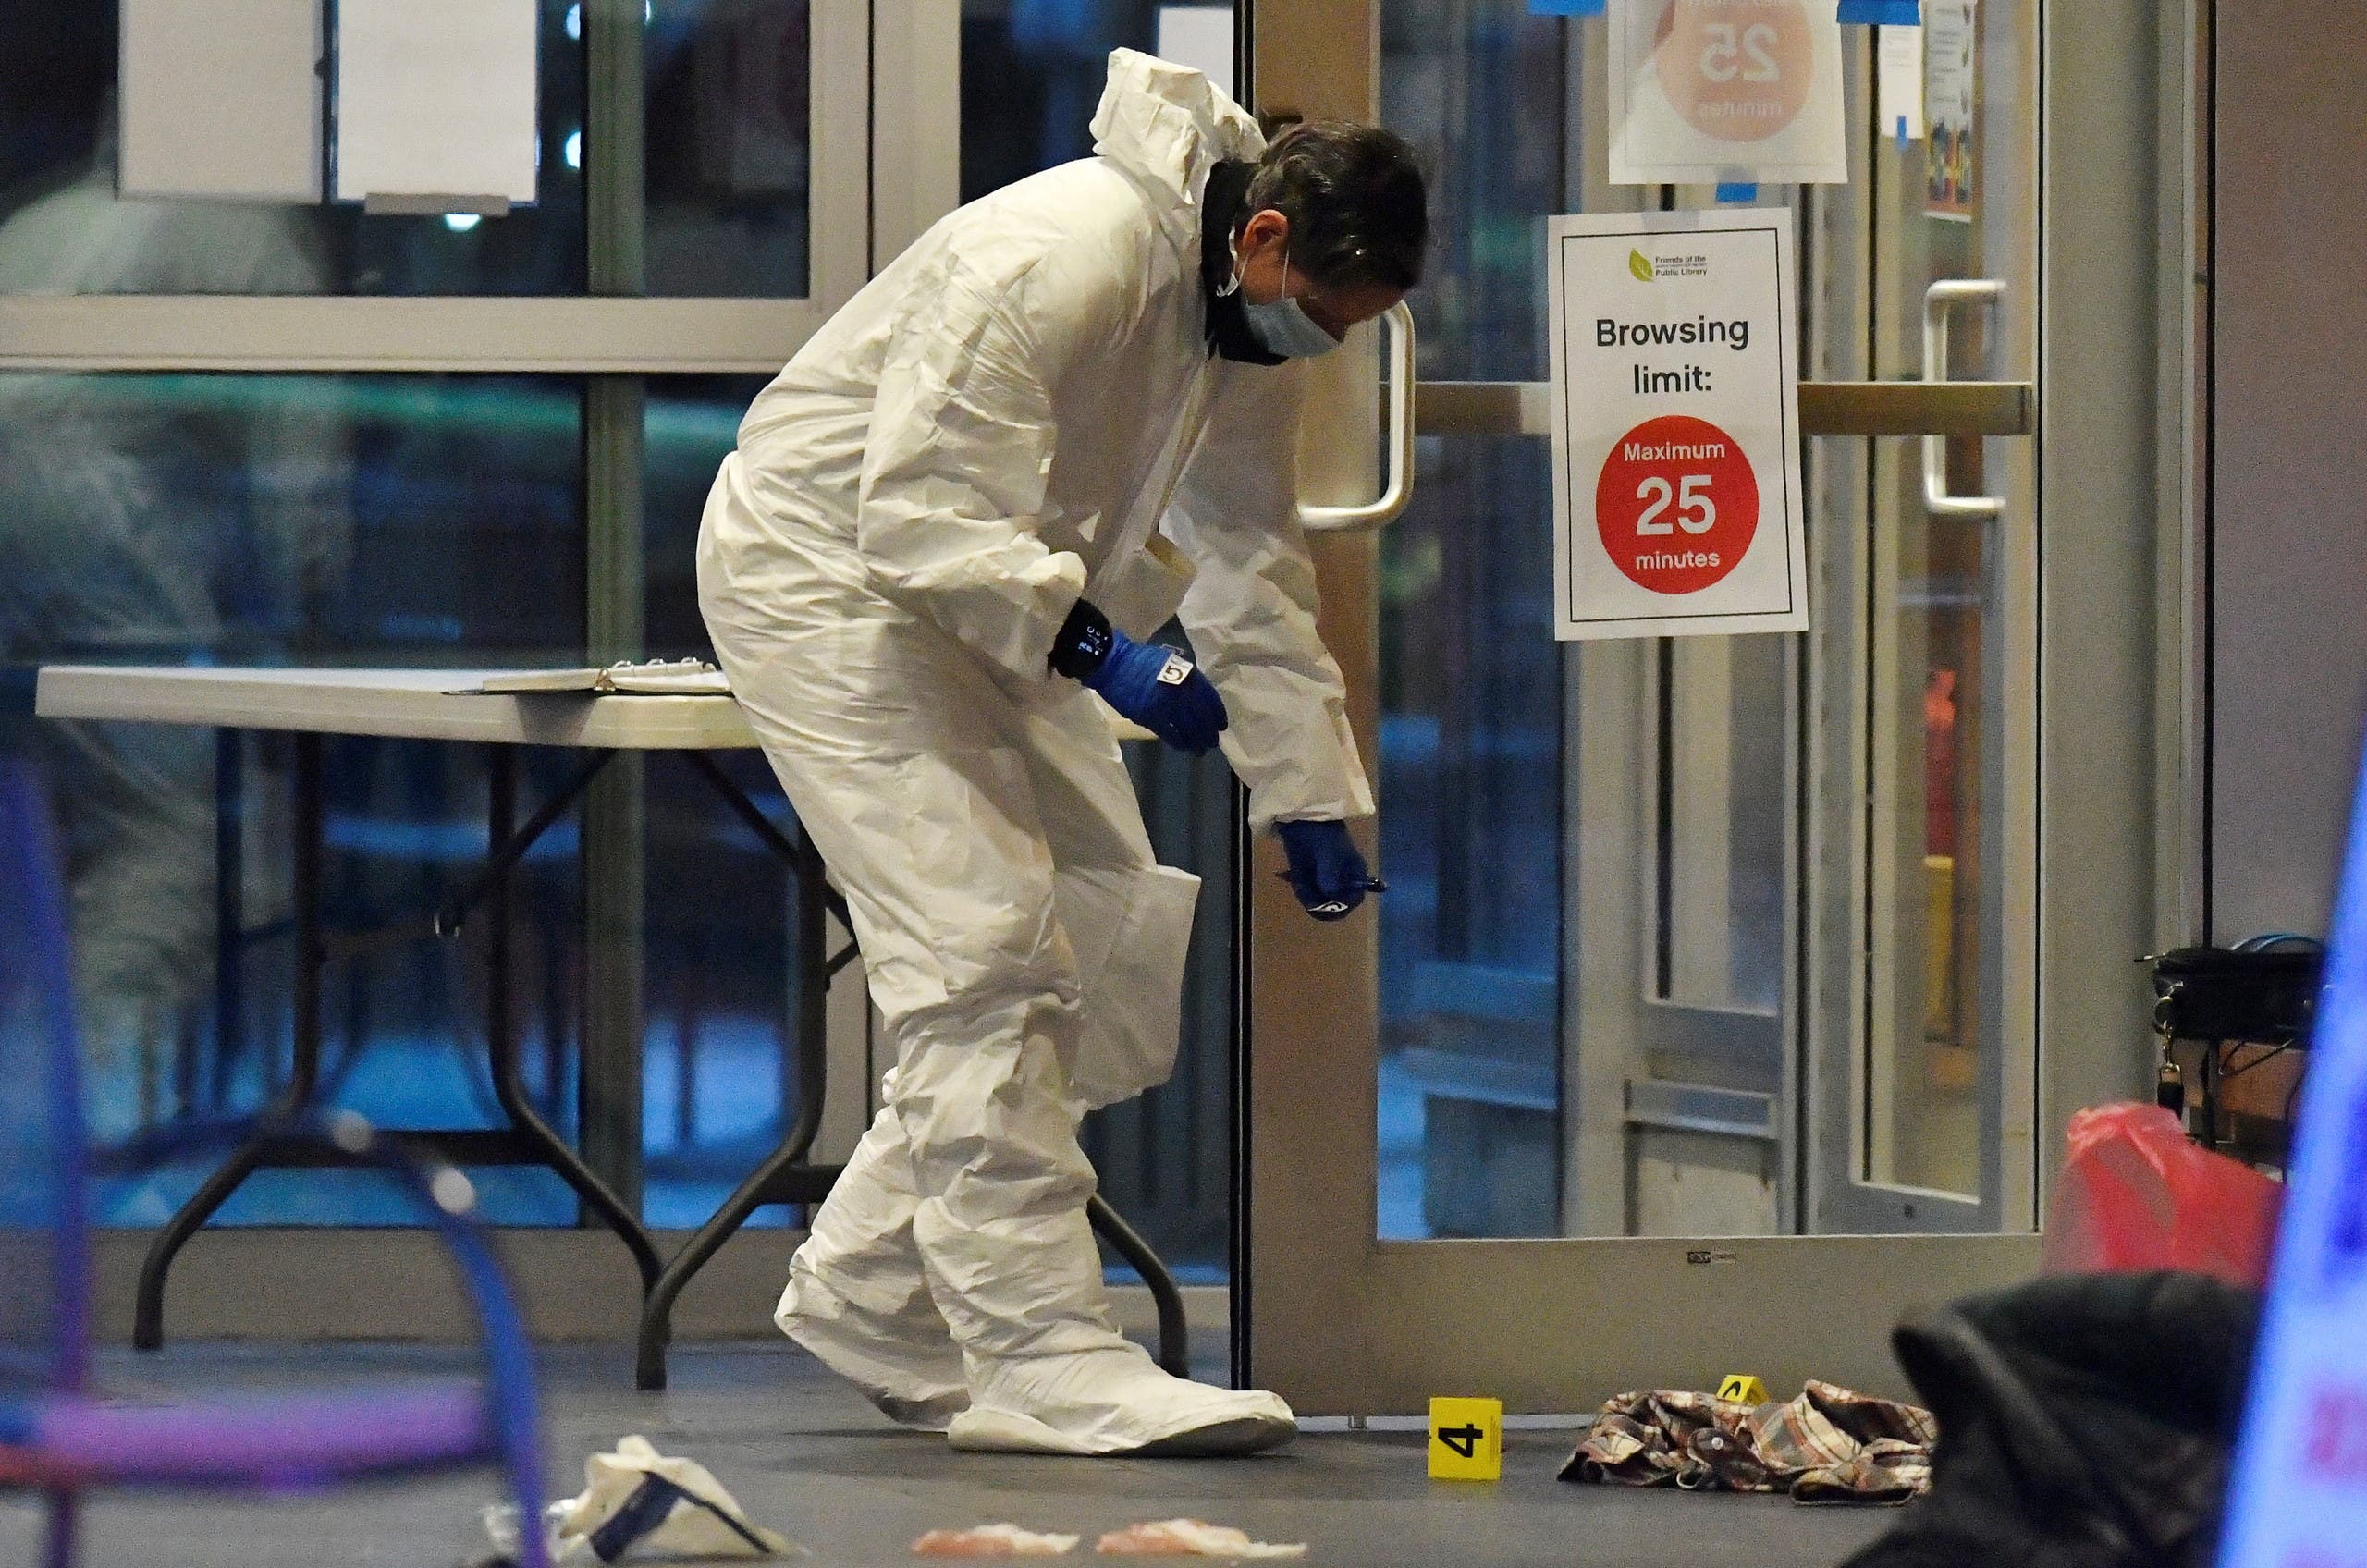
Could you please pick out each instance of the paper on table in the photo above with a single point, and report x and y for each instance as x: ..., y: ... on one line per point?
x: 222, y: 99
x: 436, y: 103
x: 680, y: 677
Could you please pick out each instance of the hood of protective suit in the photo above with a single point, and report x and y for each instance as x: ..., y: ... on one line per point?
x: 1166, y: 125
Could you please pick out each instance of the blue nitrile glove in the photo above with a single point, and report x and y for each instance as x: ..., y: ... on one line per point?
x: 1326, y: 872
x: 1155, y: 686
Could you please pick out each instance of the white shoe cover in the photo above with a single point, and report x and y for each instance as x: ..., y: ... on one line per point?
x: 915, y: 1381
x: 1114, y: 1400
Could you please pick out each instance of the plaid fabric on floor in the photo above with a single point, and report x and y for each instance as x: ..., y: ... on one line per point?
x: 1829, y: 1445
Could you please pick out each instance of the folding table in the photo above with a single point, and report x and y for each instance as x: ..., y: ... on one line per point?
x: 441, y: 705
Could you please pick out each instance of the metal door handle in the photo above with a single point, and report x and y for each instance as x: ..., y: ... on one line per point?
x: 1399, y: 324
x: 1936, y: 300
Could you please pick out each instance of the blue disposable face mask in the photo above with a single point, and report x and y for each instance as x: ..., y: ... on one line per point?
x: 1287, y: 330
x: 1283, y: 328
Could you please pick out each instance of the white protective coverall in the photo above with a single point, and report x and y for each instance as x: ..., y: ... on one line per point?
x: 995, y: 426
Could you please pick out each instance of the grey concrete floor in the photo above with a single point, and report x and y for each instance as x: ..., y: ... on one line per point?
x: 810, y: 1459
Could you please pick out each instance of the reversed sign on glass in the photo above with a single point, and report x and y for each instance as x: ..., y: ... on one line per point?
x: 1726, y: 91
x: 1677, y: 471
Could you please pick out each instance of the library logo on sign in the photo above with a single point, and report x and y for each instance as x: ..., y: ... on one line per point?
x: 1653, y: 269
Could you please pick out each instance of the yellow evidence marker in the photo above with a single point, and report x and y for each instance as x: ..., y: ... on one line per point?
x: 1466, y: 1440
x: 1744, y: 1388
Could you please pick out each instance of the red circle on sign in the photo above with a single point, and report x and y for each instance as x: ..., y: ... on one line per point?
x: 1677, y: 504
x: 1736, y: 69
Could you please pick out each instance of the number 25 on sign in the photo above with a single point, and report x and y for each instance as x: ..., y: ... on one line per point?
x: 1737, y: 70
x: 1722, y: 61
x: 1727, y: 90
x: 1677, y: 504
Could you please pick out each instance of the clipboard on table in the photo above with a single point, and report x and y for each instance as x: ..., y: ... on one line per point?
x: 665, y: 677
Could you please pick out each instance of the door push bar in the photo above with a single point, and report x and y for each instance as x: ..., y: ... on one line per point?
x: 1936, y: 301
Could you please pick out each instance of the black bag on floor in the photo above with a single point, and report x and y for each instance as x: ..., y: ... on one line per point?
x: 2085, y: 1422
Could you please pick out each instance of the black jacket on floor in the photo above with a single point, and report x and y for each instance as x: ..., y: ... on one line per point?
x: 2085, y: 1422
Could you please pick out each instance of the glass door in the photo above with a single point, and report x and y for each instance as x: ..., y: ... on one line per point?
x: 1922, y: 1074
x: 1705, y: 977
x: 1591, y: 1020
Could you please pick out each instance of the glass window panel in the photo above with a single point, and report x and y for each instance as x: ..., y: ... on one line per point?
x: 1722, y: 793
x: 231, y: 518
x: 690, y: 423
x: 1471, y: 694
x: 720, y: 985
x: 1032, y: 72
x: 1471, y: 840
x: 1938, y: 1047
x: 64, y: 230
x: 717, y: 1069
x: 1479, y: 91
x: 728, y: 121
x: 1924, y: 1067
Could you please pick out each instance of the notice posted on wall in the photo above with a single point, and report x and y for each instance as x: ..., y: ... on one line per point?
x: 1676, y: 449
x: 1708, y: 91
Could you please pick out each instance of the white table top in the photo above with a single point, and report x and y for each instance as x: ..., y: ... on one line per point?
x: 408, y: 703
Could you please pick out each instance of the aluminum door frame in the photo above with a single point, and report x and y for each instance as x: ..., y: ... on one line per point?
x: 1340, y: 1322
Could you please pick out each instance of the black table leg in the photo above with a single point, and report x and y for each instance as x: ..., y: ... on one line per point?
x: 784, y: 1177
x: 148, y: 1308
x: 1175, y: 1331
x: 501, y: 1036
x: 529, y: 1139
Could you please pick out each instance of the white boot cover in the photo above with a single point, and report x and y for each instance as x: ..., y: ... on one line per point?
x: 856, y: 1298
x: 1113, y: 1401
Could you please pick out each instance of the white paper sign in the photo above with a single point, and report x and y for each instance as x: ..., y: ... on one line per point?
x: 2298, y: 1491
x: 1200, y: 37
x: 1726, y: 91
x: 222, y: 99
x: 1676, y: 452
x: 1899, y: 93
x: 436, y: 103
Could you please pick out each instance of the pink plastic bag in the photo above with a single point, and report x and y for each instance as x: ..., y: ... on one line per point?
x: 2136, y: 1194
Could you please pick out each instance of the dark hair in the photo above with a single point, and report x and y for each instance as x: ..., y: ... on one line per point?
x: 1358, y: 206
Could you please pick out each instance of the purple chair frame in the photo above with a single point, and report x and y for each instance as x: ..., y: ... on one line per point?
x: 63, y: 1442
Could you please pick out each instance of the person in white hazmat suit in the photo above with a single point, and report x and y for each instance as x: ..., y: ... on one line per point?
x: 1060, y: 418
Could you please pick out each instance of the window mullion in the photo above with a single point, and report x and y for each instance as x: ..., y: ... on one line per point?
x: 614, y: 602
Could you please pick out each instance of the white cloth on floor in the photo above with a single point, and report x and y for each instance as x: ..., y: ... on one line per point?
x: 1190, y: 1538
x: 640, y: 1506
